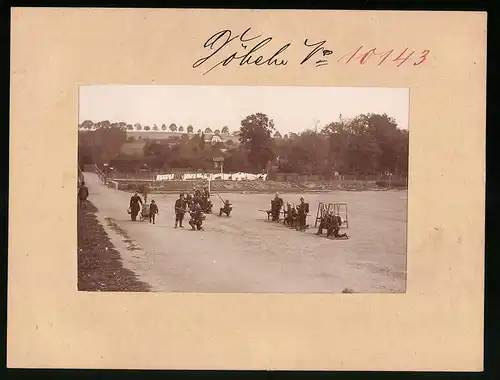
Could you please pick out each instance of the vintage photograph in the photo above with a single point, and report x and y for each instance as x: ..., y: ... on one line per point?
x: 242, y: 189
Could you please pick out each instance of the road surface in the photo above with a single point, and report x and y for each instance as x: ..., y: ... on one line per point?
x: 246, y: 253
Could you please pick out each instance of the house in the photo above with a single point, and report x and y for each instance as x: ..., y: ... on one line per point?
x: 215, y: 139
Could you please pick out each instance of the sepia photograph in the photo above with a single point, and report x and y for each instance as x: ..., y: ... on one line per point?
x: 242, y: 189
x: 235, y: 213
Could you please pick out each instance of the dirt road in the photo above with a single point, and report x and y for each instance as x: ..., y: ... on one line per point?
x: 246, y: 253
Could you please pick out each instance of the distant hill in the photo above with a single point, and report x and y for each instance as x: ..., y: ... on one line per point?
x: 133, y: 148
x: 163, y: 135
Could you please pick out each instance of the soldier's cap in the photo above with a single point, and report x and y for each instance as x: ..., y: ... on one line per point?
x: 152, y: 201
x: 301, y: 198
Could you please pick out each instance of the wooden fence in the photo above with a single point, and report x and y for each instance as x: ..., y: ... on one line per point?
x: 129, y: 181
x: 305, y: 178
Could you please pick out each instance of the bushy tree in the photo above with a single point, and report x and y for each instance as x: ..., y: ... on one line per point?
x: 101, y: 145
x: 255, y: 136
x: 87, y: 124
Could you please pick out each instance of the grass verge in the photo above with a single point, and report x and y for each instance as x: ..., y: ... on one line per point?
x: 99, y: 263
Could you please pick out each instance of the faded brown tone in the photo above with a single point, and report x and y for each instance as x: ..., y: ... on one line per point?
x: 436, y: 325
x: 247, y: 254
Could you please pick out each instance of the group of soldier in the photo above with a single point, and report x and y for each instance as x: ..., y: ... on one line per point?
x: 332, y: 224
x: 197, y: 203
x: 201, y: 198
x: 294, y: 216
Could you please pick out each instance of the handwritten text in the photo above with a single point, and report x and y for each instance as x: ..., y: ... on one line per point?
x: 249, y: 48
x: 223, y: 40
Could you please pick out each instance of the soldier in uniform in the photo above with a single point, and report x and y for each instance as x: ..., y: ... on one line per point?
x: 291, y: 214
x: 333, y: 227
x: 197, y: 199
x: 287, y: 214
x: 276, y: 205
x: 196, y: 218
x: 226, y: 209
x: 135, y: 205
x: 180, y: 210
x: 293, y: 218
x: 207, y: 204
x: 325, y: 219
x: 153, y: 210
x: 302, y: 211
x: 83, y: 193
x: 206, y: 193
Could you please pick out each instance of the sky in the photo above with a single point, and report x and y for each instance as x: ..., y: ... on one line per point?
x: 293, y: 108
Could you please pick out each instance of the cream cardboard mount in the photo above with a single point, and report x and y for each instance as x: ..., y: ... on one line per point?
x: 436, y: 325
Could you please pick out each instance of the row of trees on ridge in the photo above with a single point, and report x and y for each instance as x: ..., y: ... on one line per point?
x: 90, y: 125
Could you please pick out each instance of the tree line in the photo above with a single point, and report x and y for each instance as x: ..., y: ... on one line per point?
x: 367, y: 144
x: 90, y: 125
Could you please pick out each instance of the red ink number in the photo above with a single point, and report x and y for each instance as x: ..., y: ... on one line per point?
x: 383, y: 56
x: 400, y: 57
x: 367, y: 55
x: 373, y: 52
x: 423, y: 57
x: 386, y: 55
x: 353, y: 55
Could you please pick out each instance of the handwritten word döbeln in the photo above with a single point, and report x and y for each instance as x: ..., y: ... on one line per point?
x: 248, y: 48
